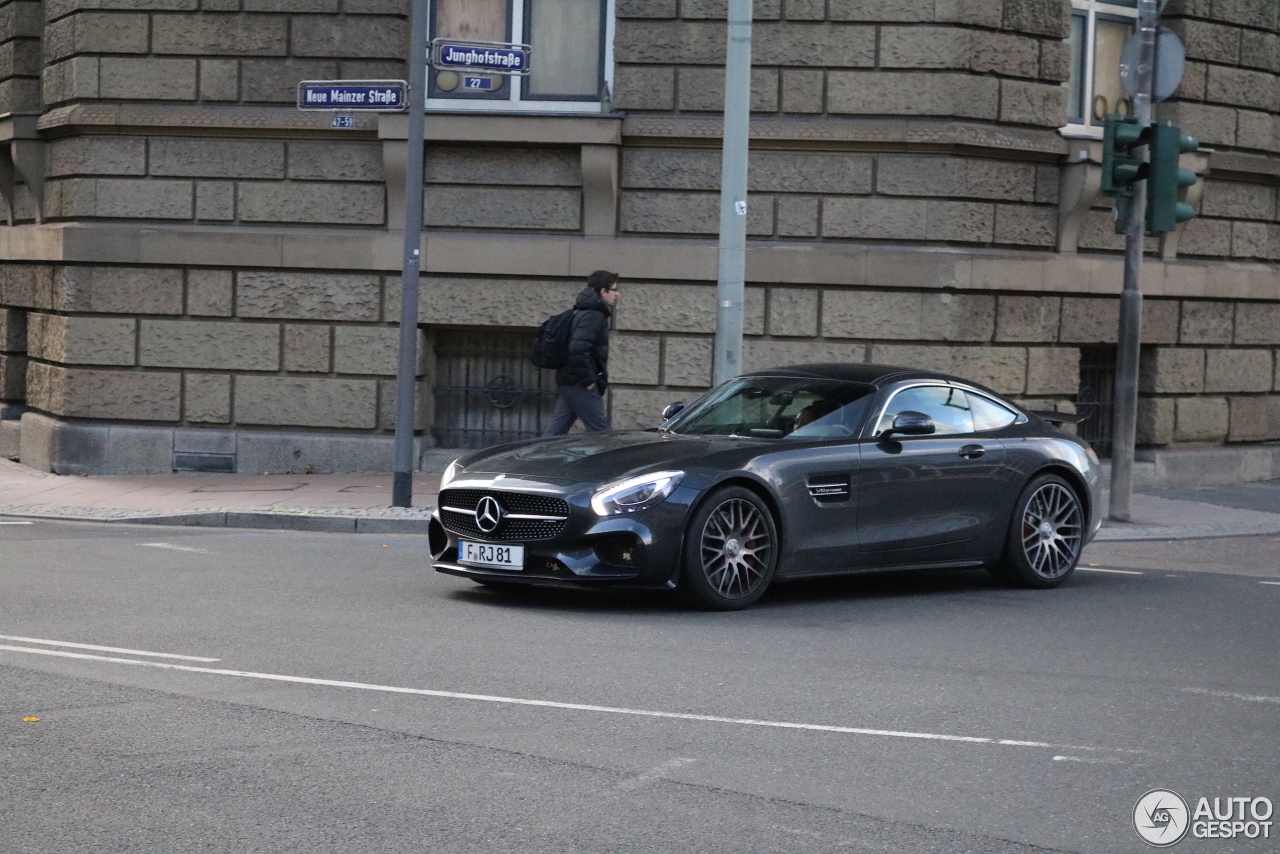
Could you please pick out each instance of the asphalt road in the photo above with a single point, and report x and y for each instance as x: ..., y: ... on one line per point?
x: 351, y: 701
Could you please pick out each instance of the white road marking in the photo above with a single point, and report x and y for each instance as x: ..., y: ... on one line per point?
x: 580, y: 707
x: 17, y: 523
x: 1230, y: 695
x: 1115, y: 571
x: 104, y: 649
x: 172, y: 547
x: 1277, y: 583
x: 653, y: 774
x: 1090, y: 760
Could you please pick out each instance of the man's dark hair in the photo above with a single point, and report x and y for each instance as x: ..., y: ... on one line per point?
x: 601, y: 280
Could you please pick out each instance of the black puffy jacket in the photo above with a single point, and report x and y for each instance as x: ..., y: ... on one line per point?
x: 588, y: 343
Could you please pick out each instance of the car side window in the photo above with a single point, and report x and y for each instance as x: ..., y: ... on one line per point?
x: 989, y: 415
x: 948, y: 407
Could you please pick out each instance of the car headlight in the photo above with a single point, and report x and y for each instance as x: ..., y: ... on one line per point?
x: 636, y: 493
x: 450, y: 472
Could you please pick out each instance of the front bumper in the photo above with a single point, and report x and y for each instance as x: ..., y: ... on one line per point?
x: 636, y: 550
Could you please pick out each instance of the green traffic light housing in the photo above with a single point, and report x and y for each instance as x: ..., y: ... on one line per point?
x: 1122, y: 167
x: 1165, y: 179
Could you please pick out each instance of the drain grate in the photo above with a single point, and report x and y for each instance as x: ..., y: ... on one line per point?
x: 219, y: 463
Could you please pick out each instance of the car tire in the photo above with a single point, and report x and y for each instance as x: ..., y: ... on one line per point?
x: 730, y: 551
x: 1046, y: 535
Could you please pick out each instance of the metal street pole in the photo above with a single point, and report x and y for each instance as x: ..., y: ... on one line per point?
x: 406, y: 374
x: 731, y: 280
x: 1124, y: 423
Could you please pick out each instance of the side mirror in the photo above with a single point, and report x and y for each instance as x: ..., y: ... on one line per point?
x: 672, y: 410
x: 910, y: 424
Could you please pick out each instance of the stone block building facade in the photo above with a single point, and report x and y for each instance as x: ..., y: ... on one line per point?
x: 194, y: 274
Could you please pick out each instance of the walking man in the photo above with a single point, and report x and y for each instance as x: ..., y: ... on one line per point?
x: 581, y: 383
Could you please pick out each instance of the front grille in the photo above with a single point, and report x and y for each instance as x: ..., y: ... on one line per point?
x: 512, y: 502
x: 456, y: 506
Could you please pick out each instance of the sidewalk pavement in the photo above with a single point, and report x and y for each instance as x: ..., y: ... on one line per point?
x: 311, y: 502
x: 360, y: 503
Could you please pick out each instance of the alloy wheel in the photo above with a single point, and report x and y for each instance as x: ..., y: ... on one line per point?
x: 736, y: 548
x: 1052, y: 530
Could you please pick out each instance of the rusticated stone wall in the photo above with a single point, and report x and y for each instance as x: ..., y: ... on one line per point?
x: 1214, y: 385
x: 13, y: 349
x: 834, y: 195
x: 216, y: 52
x: 217, y: 181
x: 1237, y: 219
x: 511, y: 187
x: 981, y: 60
x: 202, y: 346
x: 1228, y: 96
x: 1230, y: 100
x: 223, y: 348
x: 985, y: 62
x: 1210, y: 370
x: 20, y: 26
x: 216, y: 55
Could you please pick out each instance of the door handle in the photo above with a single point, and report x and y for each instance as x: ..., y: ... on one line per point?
x: 972, y: 452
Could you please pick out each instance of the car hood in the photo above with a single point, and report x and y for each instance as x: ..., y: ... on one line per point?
x: 599, y: 457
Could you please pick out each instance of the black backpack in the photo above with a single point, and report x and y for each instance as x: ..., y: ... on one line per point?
x: 551, y: 347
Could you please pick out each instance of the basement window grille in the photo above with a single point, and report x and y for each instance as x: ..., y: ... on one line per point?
x: 487, y: 391
x: 1096, y: 396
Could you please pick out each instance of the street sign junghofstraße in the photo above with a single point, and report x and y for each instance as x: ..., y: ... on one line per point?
x: 487, y: 57
x: 377, y: 96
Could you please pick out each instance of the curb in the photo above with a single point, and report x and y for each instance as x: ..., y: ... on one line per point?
x: 1132, y: 533
x: 282, y: 521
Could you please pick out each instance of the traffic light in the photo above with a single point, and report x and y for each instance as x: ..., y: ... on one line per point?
x: 1121, y: 167
x: 1165, y: 179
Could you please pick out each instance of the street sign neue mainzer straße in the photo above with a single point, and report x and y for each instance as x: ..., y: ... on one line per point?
x: 381, y: 96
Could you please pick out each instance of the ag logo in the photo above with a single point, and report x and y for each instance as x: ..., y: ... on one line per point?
x: 1160, y: 817
x: 488, y: 514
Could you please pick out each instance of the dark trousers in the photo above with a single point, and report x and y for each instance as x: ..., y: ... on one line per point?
x: 574, y: 402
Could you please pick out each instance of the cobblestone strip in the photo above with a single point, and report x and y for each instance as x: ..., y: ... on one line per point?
x: 389, y: 519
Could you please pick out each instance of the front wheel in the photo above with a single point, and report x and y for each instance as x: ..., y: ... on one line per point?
x: 1046, y: 535
x: 730, y: 552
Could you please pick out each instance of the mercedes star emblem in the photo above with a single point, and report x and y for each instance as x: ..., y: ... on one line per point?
x: 488, y: 514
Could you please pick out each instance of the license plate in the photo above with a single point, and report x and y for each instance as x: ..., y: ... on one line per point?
x: 486, y: 554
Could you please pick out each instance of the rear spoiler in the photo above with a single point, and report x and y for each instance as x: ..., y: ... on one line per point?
x: 1060, y: 417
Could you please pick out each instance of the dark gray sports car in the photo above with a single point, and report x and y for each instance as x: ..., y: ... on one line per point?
x: 792, y: 472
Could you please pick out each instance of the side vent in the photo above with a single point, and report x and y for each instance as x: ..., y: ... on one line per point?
x: 829, y: 488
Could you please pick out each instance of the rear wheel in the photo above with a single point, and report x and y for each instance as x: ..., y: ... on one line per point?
x: 1046, y: 535
x: 731, y: 551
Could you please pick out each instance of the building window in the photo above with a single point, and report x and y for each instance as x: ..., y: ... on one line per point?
x: 571, y: 54
x: 1098, y: 33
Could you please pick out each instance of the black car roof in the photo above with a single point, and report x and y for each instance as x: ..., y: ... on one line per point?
x: 854, y: 372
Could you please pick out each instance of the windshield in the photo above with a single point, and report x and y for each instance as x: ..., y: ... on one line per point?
x: 777, y: 408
